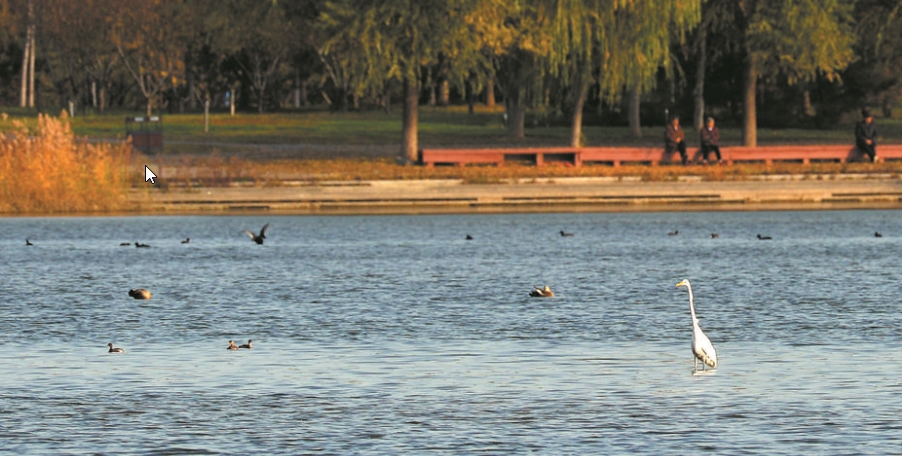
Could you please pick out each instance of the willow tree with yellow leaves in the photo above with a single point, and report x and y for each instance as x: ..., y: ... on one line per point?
x: 618, y: 45
x: 397, y: 39
x: 799, y: 40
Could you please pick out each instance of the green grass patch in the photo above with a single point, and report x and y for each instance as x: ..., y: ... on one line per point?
x: 438, y: 127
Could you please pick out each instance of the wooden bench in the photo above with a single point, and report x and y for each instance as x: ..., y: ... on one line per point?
x: 497, y: 156
x: 651, y: 155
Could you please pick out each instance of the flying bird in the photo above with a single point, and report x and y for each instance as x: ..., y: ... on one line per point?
x: 701, y: 345
x: 258, y: 238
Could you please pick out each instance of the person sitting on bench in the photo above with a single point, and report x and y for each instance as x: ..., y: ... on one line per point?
x: 673, y: 139
x: 710, y: 136
x: 866, y: 135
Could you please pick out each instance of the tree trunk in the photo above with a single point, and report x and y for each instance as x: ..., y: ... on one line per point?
x: 887, y: 107
x: 698, y: 118
x: 633, y: 113
x: 297, y: 88
x: 490, y: 93
x: 409, y: 146
x: 31, y: 70
x: 102, y: 99
x: 432, y: 96
x: 303, y: 91
x: 149, y: 106
x: 516, y: 118
x: 577, y: 127
x: 471, y: 97
x: 386, y: 100
x: 806, y: 103
x: 33, y: 46
x: 749, y: 113
x: 445, y: 94
x: 23, y: 93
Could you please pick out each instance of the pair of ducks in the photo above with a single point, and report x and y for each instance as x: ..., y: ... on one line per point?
x: 232, y: 345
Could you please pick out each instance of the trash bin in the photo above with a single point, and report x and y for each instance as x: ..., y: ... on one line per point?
x: 146, y: 133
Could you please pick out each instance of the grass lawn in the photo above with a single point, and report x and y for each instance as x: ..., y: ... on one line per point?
x: 314, y: 145
x: 439, y: 127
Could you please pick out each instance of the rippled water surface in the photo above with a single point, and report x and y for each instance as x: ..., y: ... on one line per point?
x: 395, y: 335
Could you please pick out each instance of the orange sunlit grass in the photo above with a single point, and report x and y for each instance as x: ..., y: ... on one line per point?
x: 50, y: 170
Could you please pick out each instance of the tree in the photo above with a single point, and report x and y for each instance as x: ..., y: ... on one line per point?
x: 621, y: 44
x: 149, y: 37
x: 396, y: 39
x: 799, y: 40
x: 258, y: 37
x: 879, y: 51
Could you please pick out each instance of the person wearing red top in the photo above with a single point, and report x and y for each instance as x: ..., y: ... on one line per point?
x: 673, y: 139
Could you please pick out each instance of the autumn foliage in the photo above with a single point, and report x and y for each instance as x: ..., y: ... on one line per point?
x: 50, y: 170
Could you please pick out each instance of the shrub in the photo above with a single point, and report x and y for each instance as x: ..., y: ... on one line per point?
x: 50, y: 170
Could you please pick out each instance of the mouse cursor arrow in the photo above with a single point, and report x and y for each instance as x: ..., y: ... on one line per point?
x: 149, y: 175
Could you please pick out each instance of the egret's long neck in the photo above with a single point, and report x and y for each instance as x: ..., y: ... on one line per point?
x: 691, y: 303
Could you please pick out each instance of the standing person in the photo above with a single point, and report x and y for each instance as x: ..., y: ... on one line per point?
x: 673, y: 139
x: 866, y: 135
x: 710, y: 138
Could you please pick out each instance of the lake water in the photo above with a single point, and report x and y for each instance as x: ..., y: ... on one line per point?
x: 395, y: 335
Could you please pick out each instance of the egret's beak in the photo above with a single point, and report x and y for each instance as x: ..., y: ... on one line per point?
x: 683, y: 283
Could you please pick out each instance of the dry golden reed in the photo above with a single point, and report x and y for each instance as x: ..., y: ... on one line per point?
x: 50, y: 170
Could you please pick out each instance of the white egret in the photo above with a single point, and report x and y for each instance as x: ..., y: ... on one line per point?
x: 701, y: 345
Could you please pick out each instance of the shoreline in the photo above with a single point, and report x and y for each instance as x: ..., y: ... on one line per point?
x: 594, y: 194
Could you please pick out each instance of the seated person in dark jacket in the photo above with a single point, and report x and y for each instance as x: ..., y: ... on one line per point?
x: 866, y: 135
x: 673, y: 139
x: 710, y: 138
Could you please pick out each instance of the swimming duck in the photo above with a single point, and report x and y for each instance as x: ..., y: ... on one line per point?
x: 469, y: 238
x: 258, y: 238
x: 114, y: 349
x: 544, y: 292
x: 563, y: 234
x: 877, y: 234
x: 141, y: 246
x: 139, y: 293
x: 674, y: 233
x: 124, y: 244
x: 247, y: 345
x: 187, y: 240
x: 232, y: 345
x: 764, y: 238
x: 27, y: 242
x: 714, y: 235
